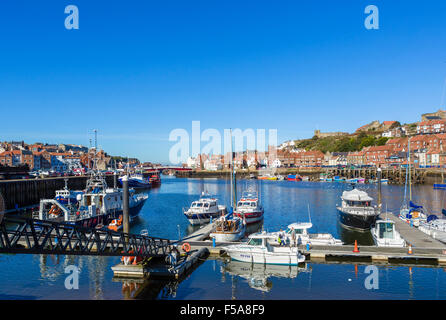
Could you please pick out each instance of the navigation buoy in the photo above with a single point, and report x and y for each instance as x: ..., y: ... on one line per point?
x: 356, y: 247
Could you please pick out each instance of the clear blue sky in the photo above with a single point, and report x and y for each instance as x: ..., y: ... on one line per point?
x: 135, y: 70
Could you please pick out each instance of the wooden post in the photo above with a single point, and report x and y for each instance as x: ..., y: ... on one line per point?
x: 379, y: 189
x: 125, y: 204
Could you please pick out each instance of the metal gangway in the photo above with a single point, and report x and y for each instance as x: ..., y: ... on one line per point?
x: 31, y: 236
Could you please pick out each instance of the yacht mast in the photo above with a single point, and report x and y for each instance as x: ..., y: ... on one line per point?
x: 233, y: 194
x: 95, y: 166
x: 410, y: 179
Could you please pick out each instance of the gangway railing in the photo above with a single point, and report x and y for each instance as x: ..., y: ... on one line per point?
x: 19, y: 235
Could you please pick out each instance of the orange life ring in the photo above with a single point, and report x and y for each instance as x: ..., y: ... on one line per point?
x: 186, y: 247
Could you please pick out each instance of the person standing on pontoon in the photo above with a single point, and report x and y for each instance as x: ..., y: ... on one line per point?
x: 293, y: 237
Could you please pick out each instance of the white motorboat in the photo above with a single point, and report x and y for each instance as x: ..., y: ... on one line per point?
x: 258, y: 249
x: 303, y: 236
x: 231, y: 229
x: 201, y: 211
x: 385, y: 234
x: 434, y: 227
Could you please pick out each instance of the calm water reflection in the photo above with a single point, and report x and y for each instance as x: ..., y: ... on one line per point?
x: 42, y: 277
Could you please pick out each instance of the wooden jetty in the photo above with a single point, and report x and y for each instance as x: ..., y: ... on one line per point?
x: 156, y: 268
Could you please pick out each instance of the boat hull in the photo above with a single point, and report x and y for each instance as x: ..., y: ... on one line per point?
x: 104, y: 219
x: 135, y: 183
x: 355, y: 221
x: 228, y: 236
x: 196, y: 219
x: 250, y: 217
x: 265, y: 257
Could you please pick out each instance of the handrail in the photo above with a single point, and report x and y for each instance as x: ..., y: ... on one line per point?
x: 18, y: 235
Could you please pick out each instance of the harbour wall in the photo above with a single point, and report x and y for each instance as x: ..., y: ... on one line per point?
x: 29, y: 192
x: 395, y: 176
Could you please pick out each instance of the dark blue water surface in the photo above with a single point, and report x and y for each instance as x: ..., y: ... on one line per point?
x: 43, y: 277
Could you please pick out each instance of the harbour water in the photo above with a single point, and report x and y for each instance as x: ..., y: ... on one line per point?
x: 43, y: 276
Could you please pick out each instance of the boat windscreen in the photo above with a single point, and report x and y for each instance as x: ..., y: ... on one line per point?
x: 386, y: 231
x: 255, y: 242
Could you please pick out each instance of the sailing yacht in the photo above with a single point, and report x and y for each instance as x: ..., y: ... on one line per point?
x: 231, y: 229
x: 410, y: 212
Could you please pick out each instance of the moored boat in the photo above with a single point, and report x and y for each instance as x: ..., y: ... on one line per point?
x: 229, y: 229
x: 137, y: 181
x: 294, y: 177
x: 302, y: 236
x: 434, y: 227
x: 202, y: 210
x: 249, y: 207
x: 66, y: 196
x: 154, y: 178
x: 97, y: 205
x: 258, y: 249
x: 385, y: 234
x: 356, y: 210
x: 412, y: 214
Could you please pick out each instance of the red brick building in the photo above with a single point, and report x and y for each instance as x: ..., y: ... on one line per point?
x: 431, y: 126
x: 377, y: 155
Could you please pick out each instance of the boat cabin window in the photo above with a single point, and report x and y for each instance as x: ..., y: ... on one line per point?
x: 197, y: 205
x: 255, y: 242
x: 385, y: 230
x: 358, y: 203
x: 298, y: 231
x: 246, y: 204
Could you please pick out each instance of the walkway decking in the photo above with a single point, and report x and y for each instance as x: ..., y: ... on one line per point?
x: 412, y: 235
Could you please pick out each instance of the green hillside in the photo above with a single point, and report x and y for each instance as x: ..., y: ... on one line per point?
x: 341, y: 143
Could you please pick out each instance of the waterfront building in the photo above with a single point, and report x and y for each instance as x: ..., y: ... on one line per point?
x: 355, y: 158
x: 377, y: 155
x: 431, y: 126
x: 335, y: 159
x: 398, y: 144
x: 309, y: 159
